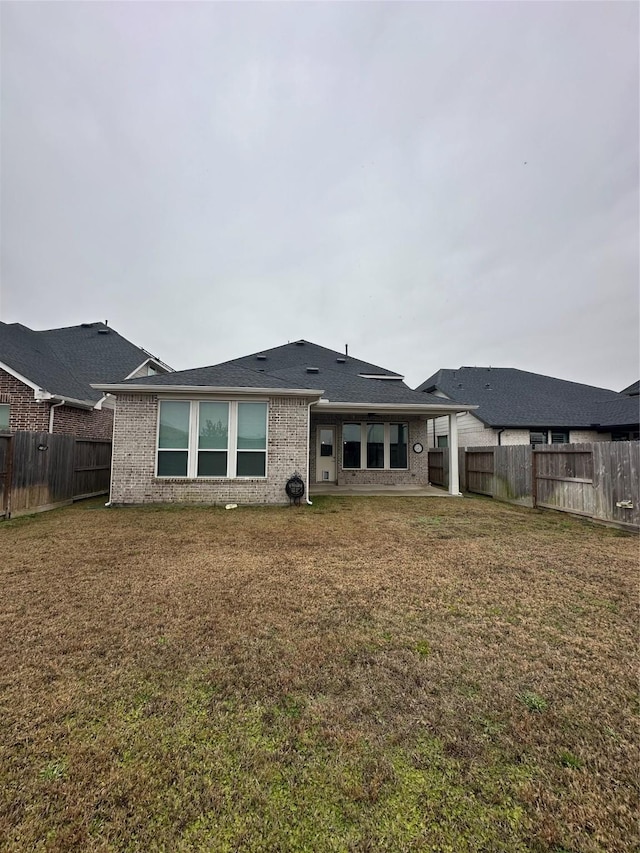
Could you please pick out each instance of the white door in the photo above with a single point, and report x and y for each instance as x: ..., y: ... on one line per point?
x: 326, y: 455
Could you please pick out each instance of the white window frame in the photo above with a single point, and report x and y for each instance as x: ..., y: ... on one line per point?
x: 232, y: 443
x: 8, y: 407
x: 363, y: 445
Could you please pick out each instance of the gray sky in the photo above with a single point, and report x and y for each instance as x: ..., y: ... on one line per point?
x: 437, y: 184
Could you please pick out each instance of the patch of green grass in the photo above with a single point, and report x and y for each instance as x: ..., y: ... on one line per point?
x: 55, y: 770
x: 533, y: 701
x: 423, y: 648
x: 568, y: 759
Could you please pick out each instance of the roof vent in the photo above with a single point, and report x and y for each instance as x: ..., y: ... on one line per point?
x: 312, y: 370
x: 261, y: 358
x: 104, y: 331
x: 86, y: 325
x: 487, y: 385
x: 341, y: 360
x: 299, y: 343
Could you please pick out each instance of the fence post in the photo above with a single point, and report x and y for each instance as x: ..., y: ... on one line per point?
x: 8, y: 479
x: 534, y: 476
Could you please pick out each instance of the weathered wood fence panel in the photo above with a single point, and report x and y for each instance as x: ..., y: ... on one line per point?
x: 600, y: 480
x: 92, y: 468
x: 40, y: 470
x: 5, y: 473
x: 512, y: 481
x: 479, y: 470
x: 564, y: 477
x: 439, y: 466
x: 616, y: 482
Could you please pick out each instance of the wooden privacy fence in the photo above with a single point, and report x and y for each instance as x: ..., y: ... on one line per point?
x: 600, y: 480
x: 40, y: 470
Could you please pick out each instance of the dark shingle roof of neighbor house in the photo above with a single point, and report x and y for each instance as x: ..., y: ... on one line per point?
x: 65, y: 361
x: 632, y: 390
x: 508, y: 397
x: 302, y: 365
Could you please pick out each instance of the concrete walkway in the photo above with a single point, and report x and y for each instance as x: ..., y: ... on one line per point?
x: 403, y: 491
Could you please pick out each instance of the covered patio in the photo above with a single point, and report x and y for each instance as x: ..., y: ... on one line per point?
x: 400, y: 491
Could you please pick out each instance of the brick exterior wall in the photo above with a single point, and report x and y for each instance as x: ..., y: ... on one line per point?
x: 83, y: 423
x: 134, y: 458
x: 417, y: 473
x: 25, y: 413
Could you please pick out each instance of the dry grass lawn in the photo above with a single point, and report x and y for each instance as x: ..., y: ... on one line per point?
x: 369, y: 674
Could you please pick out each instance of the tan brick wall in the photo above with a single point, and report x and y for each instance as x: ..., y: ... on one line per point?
x: 417, y: 473
x: 134, y: 458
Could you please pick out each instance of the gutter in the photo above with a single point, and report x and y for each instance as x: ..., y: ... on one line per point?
x: 208, y: 389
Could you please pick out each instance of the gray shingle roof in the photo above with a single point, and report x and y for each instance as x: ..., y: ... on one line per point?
x: 65, y: 361
x: 226, y: 375
x: 306, y: 354
x: 508, y: 397
x: 632, y: 390
x: 287, y: 367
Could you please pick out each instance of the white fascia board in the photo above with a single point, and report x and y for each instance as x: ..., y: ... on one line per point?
x: 380, y: 376
x: 208, y: 389
x: 155, y: 360
x: 24, y: 380
x: 411, y: 408
x: 42, y: 396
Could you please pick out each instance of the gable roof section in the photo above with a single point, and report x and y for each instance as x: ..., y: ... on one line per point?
x: 306, y: 354
x: 64, y: 362
x: 301, y: 367
x: 632, y: 390
x: 508, y: 397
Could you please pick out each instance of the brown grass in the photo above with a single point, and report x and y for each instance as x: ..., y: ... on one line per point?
x: 370, y: 674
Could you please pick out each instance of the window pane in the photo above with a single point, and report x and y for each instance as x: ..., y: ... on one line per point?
x: 172, y: 463
x: 398, y: 445
x: 558, y: 437
x: 251, y: 464
x: 443, y: 441
x: 213, y: 427
x: 212, y: 463
x: 351, y: 446
x: 252, y: 426
x: 539, y: 437
x: 174, y: 424
x: 375, y: 445
x: 326, y: 442
x: 4, y: 416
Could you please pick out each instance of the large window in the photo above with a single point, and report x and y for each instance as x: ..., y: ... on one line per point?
x: 374, y: 446
x: 212, y: 439
x: 4, y: 417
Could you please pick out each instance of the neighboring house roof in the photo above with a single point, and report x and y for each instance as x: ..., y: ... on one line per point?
x: 632, y: 390
x: 302, y: 366
x: 64, y: 362
x: 507, y: 397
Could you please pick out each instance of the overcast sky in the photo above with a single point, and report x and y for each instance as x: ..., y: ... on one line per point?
x: 435, y: 184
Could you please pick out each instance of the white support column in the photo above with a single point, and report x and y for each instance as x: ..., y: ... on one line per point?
x: 454, y: 477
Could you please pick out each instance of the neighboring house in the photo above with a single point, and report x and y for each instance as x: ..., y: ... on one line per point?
x: 45, y: 377
x: 237, y: 431
x: 633, y: 390
x: 518, y: 407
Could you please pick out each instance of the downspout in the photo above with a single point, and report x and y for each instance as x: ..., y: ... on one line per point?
x: 500, y: 431
x: 308, y: 502
x: 51, y: 408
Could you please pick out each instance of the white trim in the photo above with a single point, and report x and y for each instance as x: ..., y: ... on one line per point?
x: 454, y: 477
x: 22, y: 379
x: 428, y: 409
x: 380, y: 376
x: 209, y: 389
